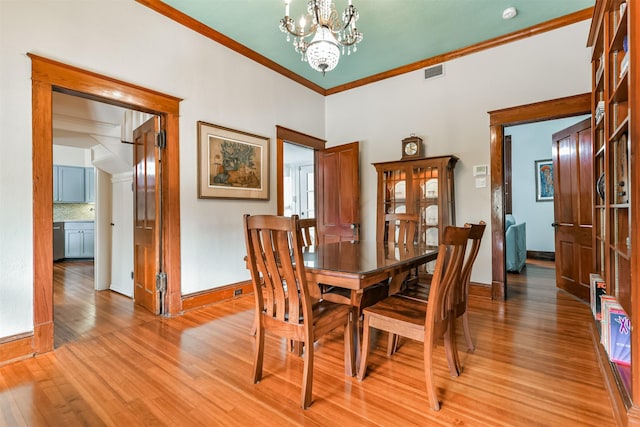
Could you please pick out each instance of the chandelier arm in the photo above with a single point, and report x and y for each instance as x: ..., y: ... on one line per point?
x: 303, y: 34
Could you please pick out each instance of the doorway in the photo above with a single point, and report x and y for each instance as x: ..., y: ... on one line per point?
x: 498, y: 120
x: 529, y: 232
x: 49, y: 76
x: 299, y: 181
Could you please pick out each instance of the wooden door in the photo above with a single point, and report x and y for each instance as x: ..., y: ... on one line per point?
x: 573, y: 178
x: 339, y: 193
x: 146, y: 216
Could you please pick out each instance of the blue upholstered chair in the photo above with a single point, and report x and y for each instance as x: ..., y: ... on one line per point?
x: 515, y: 244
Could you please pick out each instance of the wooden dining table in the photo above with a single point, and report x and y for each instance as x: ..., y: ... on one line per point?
x: 355, y: 265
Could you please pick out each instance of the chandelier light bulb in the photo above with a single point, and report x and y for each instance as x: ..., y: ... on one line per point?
x: 329, y: 32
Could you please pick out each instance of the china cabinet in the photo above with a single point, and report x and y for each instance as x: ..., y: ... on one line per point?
x: 422, y: 187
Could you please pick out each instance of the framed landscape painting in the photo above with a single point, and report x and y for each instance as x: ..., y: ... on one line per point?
x: 544, y: 180
x: 232, y: 164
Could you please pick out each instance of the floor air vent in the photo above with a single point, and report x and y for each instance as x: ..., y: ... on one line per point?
x: 434, y: 71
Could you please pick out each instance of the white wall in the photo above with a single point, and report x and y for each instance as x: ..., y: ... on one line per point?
x: 130, y: 42
x: 529, y: 143
x: 450, y: 114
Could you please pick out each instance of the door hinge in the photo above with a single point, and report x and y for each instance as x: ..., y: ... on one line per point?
x: 161, y: 139
x: 132, y: 275
x: 161, y: 282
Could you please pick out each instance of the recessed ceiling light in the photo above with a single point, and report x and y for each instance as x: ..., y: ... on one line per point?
x: 509, y: 13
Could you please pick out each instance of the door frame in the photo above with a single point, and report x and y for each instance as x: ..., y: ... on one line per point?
x: 48, y: 76
x: 498, y: 120
x: 287, y: 135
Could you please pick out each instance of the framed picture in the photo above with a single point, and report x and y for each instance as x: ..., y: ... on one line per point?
x: 232, y: 164
x: 544, y: 180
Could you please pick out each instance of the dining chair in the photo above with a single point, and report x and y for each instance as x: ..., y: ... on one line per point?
x: 284, y: 306
x: 461, y: 291
x: 420, y: 320
x: 401, y: 229
x: 460, y: 301
x: 309, y: 229
x: 309, y: 236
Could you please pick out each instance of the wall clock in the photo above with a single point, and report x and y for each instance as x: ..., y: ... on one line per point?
x: 412, y: 148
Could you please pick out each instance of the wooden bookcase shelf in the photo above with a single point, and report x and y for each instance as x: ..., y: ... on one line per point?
x: 615, y: 132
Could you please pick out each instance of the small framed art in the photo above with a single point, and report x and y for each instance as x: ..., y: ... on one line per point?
x: 232, y: 164
x: 544, y: 180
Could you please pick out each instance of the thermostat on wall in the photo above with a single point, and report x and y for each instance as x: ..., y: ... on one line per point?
x: 480, y: 170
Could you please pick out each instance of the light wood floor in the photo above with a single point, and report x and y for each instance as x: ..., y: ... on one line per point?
x: 115, y: 365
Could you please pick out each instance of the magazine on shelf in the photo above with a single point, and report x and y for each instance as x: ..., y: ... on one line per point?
x: 605, y: 302
x: 597, y: 288
x: 619, y: 335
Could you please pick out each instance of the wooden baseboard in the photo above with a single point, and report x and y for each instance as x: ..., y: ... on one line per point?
x: 547, y: 256
x: 15, y: 348
x: 201, y: 299
x: 480, y: 290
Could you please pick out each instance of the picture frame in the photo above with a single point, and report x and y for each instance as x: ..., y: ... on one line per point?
x: 232, y: 164
x: 544, y: 180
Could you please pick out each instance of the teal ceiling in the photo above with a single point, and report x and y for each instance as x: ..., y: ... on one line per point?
x: 396, y: 32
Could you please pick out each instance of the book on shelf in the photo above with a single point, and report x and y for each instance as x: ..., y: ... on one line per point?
x: 624, y: 65
x: 616, y: 327
x: 605, y: 301
x: 597, y: 288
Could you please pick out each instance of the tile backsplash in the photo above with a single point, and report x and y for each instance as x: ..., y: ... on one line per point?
x: 74, y: 212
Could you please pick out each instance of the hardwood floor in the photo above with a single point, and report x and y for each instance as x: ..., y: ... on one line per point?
x: 116, y: 365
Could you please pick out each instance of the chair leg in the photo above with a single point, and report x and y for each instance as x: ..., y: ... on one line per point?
x: 450, y: 348
x: 259, y: 355
x: 392, y: 344
x: 364, y: 351
x: 467, y: 332
x: 307, y: 375
x: 254, y: 327
x: 428, y: 373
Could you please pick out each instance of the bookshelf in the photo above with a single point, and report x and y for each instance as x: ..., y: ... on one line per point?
x: 613, y: 38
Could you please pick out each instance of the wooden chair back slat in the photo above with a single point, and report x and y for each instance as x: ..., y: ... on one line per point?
x: 405, y: 224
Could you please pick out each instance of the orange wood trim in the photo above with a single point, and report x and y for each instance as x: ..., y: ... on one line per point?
x: 280, y: 176
x: 201, y: 299
x: 117, y: 92
x: 479, y: 290
x: 42, y: 161
x: 171, y: 215
x: 15, y: 348
x: 214, y: 35
x: 498, y: 261
x: 552, y: 109
x: 596, y: 22
x: 543, y: 27
x: 300, y: 138
x: 49, y: 75
x: 562, y: 107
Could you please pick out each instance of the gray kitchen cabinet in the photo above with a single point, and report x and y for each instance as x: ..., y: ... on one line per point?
x: 73, y: 184
x: 70, y: 184
x: 89, y: 185
x: 79, y: 239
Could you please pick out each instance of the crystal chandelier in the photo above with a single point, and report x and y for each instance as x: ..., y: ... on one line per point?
x: 330, y: 34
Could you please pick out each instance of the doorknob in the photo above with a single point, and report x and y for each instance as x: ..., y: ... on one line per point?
x: 555, y: 225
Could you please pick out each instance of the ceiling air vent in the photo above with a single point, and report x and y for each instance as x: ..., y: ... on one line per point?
x: 434, y: 71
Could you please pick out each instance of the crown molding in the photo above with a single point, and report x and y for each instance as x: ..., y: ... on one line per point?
x: 214, y: 35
